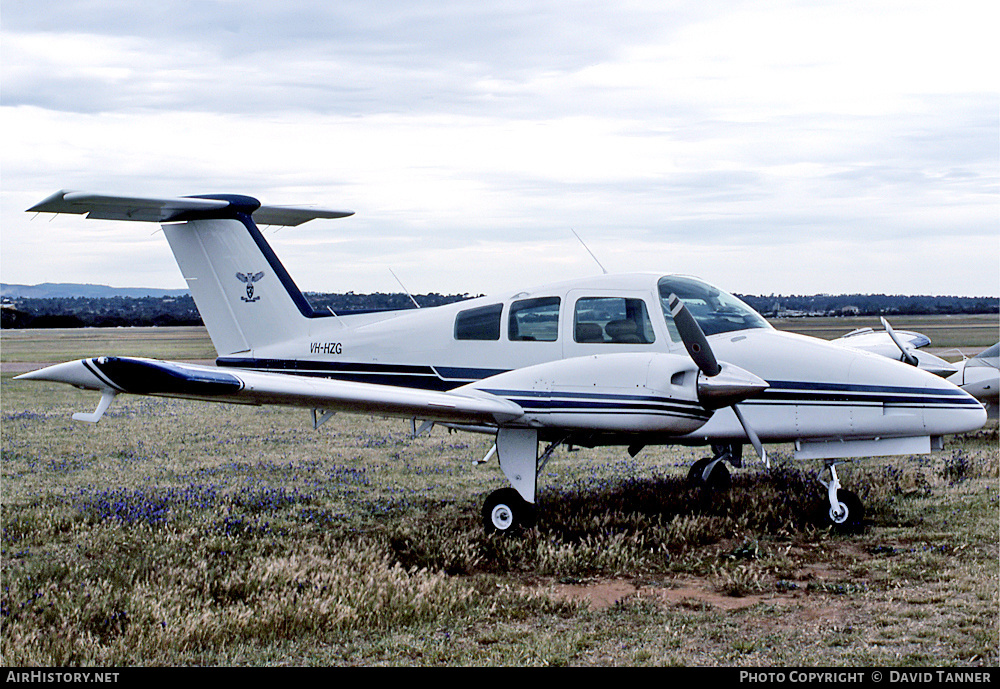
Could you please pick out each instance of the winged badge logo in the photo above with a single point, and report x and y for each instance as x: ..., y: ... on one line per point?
x: 249, y: 280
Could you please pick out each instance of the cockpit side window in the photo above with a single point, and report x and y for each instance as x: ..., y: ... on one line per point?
x: 716, y: 311
x: 535, y: 320
x: 612, y: 320
x: 482, y: 323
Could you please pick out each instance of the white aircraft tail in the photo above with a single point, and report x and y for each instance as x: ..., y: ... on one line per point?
x: 245, y: 296
x: 246, y: 301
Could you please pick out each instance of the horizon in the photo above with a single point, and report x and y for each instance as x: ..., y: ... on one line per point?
x: 7, y: 285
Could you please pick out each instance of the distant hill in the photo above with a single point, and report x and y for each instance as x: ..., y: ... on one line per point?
x: 64, y: 290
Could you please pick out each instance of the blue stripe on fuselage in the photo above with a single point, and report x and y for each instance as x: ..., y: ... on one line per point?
x: 443, y: 378
x: 809, y: 393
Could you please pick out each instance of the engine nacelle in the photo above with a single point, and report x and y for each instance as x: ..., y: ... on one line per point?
x: 626, y: 392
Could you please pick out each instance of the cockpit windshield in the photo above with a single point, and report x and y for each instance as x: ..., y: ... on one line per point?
x: 716, y: 311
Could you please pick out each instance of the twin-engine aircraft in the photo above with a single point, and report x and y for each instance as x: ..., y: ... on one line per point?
x: 630, y: 360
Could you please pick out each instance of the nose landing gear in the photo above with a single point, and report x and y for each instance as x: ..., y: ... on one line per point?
x: 712, y: 472
x: 847, y: 513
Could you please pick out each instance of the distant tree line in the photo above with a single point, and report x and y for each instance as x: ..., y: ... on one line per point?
x: 111, y: 312
x: 869, y: 305
x: 81, y: 312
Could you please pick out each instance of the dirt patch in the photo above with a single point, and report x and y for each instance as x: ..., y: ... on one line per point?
x: 605, y: 593
x: 820, y: 570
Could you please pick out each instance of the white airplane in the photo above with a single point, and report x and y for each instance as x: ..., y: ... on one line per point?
x: 903, y: 345
x: 625, y: 360
x: 980, y: 377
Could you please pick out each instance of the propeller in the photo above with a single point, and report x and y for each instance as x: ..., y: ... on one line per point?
x: 908, y: 356
x: 723, y: 386
x: 693, y: 337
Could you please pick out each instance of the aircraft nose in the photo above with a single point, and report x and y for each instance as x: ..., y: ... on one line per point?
x: 906, y: 391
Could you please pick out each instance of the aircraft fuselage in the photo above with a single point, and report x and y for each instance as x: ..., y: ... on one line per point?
x: 817, y: 391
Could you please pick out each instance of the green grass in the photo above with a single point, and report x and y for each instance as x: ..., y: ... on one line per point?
x: 183, y: 533
x: 63, y: 344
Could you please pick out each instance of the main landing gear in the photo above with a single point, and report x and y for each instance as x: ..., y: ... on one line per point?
x: 505, y: 511
x: 509, y: 510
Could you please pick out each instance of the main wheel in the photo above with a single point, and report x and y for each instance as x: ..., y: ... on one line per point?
x: 505, y: 511
x: 848, y: 515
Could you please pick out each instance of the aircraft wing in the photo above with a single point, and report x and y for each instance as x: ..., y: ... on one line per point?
x: 897, y: 344
x: 880, y: 342
x: 114, y: 375
x: 104, y: 207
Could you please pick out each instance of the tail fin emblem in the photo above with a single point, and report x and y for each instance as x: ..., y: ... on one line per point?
x: 249, y: 280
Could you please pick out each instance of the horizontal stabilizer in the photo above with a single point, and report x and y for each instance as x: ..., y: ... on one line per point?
x: 190, y: 381
x: 141, y: 209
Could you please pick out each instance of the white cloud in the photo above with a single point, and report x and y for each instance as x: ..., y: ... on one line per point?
x: 845, y: 146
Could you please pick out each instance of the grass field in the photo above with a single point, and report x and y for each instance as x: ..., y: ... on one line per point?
x: 184, y: 533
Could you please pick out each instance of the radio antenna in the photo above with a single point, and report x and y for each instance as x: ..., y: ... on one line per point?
x: 404, y: 289
x: 603, y: 269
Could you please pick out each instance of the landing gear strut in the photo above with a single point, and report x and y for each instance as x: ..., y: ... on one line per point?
x: 508, y: 510
x: 847, y: 513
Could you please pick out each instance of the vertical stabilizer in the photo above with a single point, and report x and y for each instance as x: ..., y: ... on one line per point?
x: 245, y: 296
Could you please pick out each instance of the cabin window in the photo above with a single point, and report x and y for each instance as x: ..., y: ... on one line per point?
x: 482, y: 323
x: 612, y: 320
x: 534, y: 320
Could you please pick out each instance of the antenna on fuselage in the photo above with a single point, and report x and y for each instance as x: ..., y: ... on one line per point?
x: 603, y: 269
x: 330, y: 309
x: 404, y: 289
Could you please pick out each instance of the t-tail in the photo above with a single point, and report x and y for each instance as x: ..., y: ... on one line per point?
x: 246, y: 298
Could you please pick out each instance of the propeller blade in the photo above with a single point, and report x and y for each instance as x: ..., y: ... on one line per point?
x: 752, y: 435
x: 693, y: 337
x: 907, y: 355
x: 742, y: 385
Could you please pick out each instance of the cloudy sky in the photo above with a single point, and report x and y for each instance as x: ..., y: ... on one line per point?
x: 772, y: 146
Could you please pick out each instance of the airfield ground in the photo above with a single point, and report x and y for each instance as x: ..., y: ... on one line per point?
x: 183, y: 533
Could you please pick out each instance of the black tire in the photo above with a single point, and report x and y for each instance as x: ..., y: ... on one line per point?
x: 506, y: 512
x: 853, y: 520
x: 719, y: 479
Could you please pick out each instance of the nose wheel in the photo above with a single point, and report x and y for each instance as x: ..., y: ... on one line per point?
x: 712, y: 472
x: 847, y: 513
